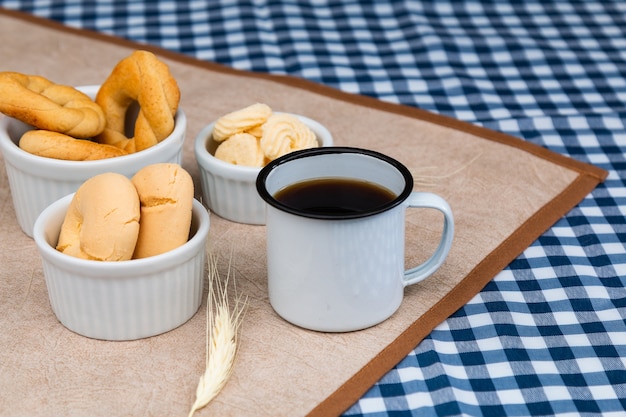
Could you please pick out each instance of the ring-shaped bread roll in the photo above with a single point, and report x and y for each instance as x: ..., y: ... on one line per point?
x: 41, y: 103
x: 142, y: 78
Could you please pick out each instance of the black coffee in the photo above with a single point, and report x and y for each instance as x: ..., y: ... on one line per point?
x: 334, y: 196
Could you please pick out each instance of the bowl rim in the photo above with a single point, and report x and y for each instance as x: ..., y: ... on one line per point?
x: 15, y: 155
x: 119, y: 269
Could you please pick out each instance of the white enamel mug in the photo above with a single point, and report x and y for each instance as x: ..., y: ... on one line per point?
x: 343, y: 272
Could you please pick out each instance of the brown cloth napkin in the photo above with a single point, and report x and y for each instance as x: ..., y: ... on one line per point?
x: 504, y: 193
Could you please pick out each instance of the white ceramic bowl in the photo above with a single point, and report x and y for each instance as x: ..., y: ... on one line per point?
x: 123, y: 300
x: 37, y: 181
x: 230, y: 190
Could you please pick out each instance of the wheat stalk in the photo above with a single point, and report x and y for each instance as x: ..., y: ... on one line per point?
x: 222, y: 334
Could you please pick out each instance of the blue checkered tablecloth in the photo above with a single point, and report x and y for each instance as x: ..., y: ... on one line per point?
x: 547, y: 336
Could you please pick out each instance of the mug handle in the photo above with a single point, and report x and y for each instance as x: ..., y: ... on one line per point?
x: 430, y: 200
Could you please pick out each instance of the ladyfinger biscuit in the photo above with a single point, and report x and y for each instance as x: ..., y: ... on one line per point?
x: 166, y: 195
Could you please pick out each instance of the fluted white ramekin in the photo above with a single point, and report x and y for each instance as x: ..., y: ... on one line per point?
x: 230, y: 190
x: 37, y: 181
x: 123, y: 300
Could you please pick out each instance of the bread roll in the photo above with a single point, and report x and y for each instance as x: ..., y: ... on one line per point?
x: 102, y: 221
x: 166, y: 196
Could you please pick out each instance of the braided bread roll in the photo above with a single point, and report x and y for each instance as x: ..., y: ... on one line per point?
x: 39, y: 102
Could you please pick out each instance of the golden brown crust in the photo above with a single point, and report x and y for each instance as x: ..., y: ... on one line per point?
x: 102, y: 220
x: 166, y: 196
x: 59, y: 146
x: 41, y: 103
x: 143, y: 78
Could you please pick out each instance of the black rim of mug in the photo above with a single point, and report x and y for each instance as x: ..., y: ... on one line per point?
x: 268, y: 198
